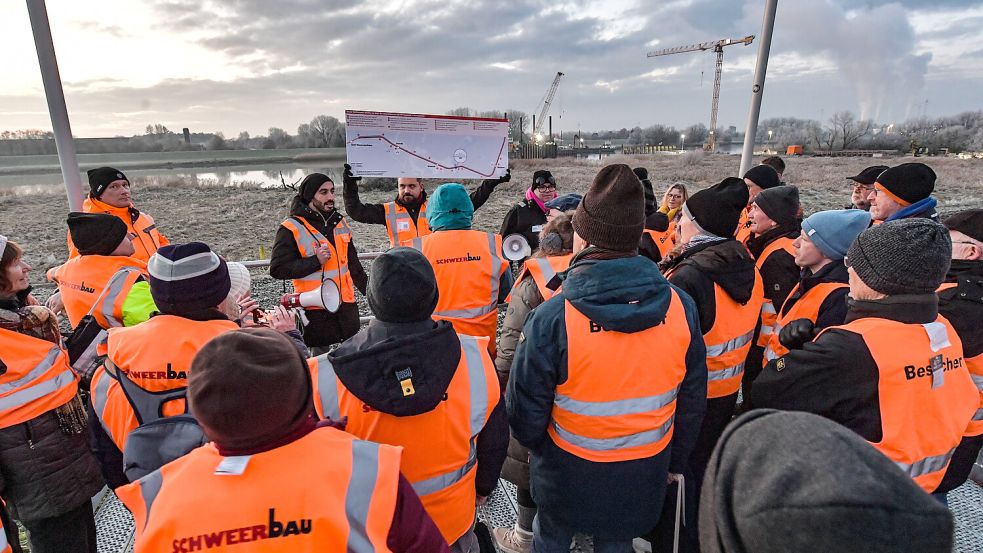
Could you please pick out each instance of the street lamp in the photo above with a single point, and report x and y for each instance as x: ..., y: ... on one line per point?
x: 769, y: 135
x: 682, y: 142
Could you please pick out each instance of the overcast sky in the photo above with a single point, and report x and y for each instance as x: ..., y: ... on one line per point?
x: 232, y: 65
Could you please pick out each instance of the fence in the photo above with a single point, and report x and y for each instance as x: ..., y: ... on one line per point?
x: 647, y: 148
x: 533, y: 151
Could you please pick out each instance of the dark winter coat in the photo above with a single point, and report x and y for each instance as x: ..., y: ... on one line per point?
x: 963, y: 307
x: 46, y: 469
x: 375, y: 214
x: 286, y: 263
x: 525, y: 218
x: 647, y: 247
x: 433, y: 351
x: 833, y: 310
x: 608, y: 500
x: 779, y: 274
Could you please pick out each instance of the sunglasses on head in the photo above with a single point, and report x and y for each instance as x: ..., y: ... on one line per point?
x: 541, y: 181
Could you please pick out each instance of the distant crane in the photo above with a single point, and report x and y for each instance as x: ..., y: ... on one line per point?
x: 547, y: 100
x: 718, y: 47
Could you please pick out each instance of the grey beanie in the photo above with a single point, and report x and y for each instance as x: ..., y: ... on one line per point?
x: 907, y: 256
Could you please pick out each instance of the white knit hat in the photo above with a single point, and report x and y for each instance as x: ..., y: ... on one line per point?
x: 240, y: 278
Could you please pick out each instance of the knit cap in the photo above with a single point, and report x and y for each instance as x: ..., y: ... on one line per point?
x: 718, y: 209
x: 187, y: 277
x: 96, y: 233
x: 541, y: 177
x: 450, y: 208
x: 769, y: 488
x: 764, y: 176
x: 833, y: 231
x: 566, y: 202
x: 907, y: 183
x: 869, y: 175
x: 780, y: 204
x: 969, y: 222
x: 101, y: 177
x: 402, y: 286
x: 248, y: 388
x: 310, y: 185
x: 907, y: 256
x: 612, y: 214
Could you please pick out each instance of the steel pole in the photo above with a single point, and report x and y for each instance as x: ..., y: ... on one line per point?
x: 56, y: 103
x: 758, y: 90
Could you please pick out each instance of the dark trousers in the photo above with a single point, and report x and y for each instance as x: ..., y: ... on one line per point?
x: 72, y: 532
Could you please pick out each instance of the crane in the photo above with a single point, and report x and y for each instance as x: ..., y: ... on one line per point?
x: 547, y: 100
x: 718, y: 47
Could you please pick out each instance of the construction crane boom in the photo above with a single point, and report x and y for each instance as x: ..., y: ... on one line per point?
x: 547, y: 101
x: 718, y: 47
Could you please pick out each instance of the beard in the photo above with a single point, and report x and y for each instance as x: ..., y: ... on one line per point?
x: 325, y: 207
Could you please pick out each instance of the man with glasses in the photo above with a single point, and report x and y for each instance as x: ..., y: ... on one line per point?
x: 863, y: 185
x: 904, y: 192
x: 528, y: 216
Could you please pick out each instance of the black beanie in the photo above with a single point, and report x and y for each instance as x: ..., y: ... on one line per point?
x: 969, y: 222
x: 540, y: 178
x: 907, y: 256
x: 402, y: 287
x: 643, y: 175
x: 909, y: 182
x: 248, y: 388
x: 612, y: 214
x: 780, y: 204
x: 718, y: 209
x: 310, y: 185
x: 101, y: 177
x: 764, y: 176
x: 187, y: 277
x: 96, y: 233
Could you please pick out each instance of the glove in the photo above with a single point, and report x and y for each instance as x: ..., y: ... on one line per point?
x: 348, y: 178
x: 504, y: 178
x: 796, y: 333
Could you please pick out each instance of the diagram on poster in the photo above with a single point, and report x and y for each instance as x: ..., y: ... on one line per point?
x: 381, y: 144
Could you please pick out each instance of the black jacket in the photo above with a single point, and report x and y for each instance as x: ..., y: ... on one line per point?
x: 647, y: 247
x: 286, y: 263
x: 779, y: 274
x: 725, y: 263
x: 432, y: 350
x: 524, y: 218
x: 833, y: 310
x: 375, y: 214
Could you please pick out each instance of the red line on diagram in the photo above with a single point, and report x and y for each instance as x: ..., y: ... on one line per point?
x: 414, y: 154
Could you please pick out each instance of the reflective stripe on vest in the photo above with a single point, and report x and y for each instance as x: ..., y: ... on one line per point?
x: 496, y: 273
x: 358, y: 499
x: 308, y: 239
x: 110, y: 305
x: 729, y: 340
x: 36, y: 378
x: 805, y: 307
x: 26, y: 391
x: 396, y: 213
x: 543, y: 270
x: 769, y: 313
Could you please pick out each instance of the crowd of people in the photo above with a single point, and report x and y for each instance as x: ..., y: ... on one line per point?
x: 711, y: 370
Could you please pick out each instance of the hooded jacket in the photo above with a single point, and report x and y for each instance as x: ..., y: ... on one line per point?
x: 525, y: 218
x: 833, y: 310
x: 620, y: 500
x: 433, y: 350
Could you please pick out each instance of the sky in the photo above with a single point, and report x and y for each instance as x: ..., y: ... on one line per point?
x: 234, y: 65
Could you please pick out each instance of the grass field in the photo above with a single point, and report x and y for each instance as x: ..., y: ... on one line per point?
x: 237, y: 222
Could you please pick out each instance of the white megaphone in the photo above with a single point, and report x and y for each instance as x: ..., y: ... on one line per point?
x: 326, y: 297
x: 515, y: 247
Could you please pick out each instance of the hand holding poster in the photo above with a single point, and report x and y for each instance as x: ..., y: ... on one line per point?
x: 381, y: 144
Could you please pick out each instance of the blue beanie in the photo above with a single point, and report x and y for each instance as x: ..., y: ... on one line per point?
x: 833, y: 231
x: 449, y: 208
x: 187, y: 277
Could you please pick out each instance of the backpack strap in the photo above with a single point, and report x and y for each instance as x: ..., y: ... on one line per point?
x: 147, y: 406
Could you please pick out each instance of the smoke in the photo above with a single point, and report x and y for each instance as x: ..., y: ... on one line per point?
x: 873, y: 48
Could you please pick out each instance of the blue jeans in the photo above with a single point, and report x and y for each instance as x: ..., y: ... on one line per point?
x: 554, y: 539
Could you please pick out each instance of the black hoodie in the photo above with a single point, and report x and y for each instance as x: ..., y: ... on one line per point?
x: 432, y: 350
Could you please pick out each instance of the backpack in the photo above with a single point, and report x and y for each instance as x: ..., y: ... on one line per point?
x: 158, y: 439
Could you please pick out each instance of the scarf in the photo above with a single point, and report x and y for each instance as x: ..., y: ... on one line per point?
x: 530, y: 195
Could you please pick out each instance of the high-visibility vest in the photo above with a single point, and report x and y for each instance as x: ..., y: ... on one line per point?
x: 743, y: 231
x: 400, y: 225
x: 325, y: 492
x: 156, y: 355
x: 543, y: 270
x: 4, y: 544
x: 729, y: 340
x: 924, y: 412
x: 606, y: 415
x: 975, y: 366
x: 664, y: 240
x: 143, y: 231
x: 36, y: 377
x: 308, y: 239
x: 769, y: 314
x: 439, y: 451
x: 82, y: 281
x: 468, y: 265
x: 806, y: 307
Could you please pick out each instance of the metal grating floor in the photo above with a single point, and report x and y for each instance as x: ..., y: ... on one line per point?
x: 115, y: 525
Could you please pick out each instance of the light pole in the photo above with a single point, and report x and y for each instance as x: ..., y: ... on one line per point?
x: 769, y: 135
x: 682, y: 142
x: 757, y: 90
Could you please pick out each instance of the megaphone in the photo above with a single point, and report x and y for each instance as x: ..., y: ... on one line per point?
x: 515, y: 247
x: 325, y: 297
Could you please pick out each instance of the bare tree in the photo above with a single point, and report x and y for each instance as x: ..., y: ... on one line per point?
x: 849, y: 129
x: 326, y: 131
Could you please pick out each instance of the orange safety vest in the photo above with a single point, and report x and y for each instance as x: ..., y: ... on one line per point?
x: 807, y: 307
x: 468, y: 265
x: 924, y: 406
x: 325, y: 492
x: 4, y: 545
x: 543, y: 270
x: 156, y: 355
x: 975, y: 366
x: 308, y: 239
x: 439, y: 459
x: 400, y: 226
x: 769, y: 317
x: 729, y: 340
x: 35, y: 379
x: 608, y: 416
x: 97, y: 283
x: 743, y: 231
x: 146, y: 238
x: 664, y: 240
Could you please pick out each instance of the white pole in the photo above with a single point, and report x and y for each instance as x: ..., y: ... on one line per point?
x: 758, y: 90
x: 56, y: 103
